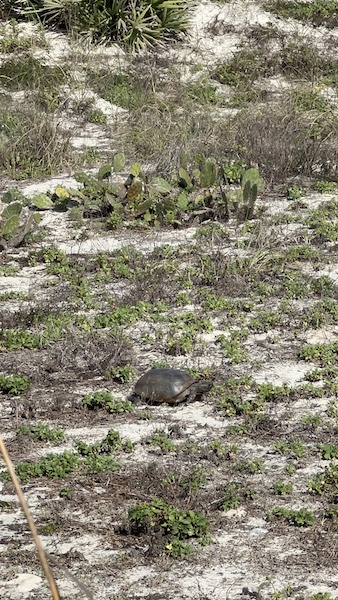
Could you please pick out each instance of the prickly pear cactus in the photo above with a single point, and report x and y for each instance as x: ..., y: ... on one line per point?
x: 207, y: 171
x: 16, y: 222
x: 251, y: 184
x: 242, y: 201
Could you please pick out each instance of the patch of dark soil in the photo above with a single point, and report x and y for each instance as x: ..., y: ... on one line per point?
x: 16, y: 556
x: 156, y: 289
x: 24, y: 317
x: 265, y: 428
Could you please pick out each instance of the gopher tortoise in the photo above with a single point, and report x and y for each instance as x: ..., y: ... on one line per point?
x: 170, y: 385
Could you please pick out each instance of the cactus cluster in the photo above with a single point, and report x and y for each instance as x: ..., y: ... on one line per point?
x: 193, y: 195
x: 16, y: 221
x: 242, y: 200
x: 204, y: 176
x: 134, y: 198
x: 19, y: 216
x: 210, y: 175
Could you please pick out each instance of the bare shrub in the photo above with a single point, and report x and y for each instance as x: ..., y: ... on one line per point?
x: 285, y: 142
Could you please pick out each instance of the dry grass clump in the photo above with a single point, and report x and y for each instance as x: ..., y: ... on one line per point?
x: 26, y: 72
x: 161, y: 136
x: 80, y: 354
x: 285, y: 141
x: 31, y: 145
x: 318, y: 13
x: 269, y: 54
x: 130, y: 89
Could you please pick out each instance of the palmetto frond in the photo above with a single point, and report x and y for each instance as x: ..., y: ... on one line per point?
x: 134, y: 23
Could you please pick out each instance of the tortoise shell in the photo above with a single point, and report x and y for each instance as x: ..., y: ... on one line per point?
x: 170, y: 385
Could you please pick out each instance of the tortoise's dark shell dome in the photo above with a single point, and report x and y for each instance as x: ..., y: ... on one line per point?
x: 170, y: 385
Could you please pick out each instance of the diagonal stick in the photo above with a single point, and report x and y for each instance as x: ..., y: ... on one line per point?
x: 41, y: 552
